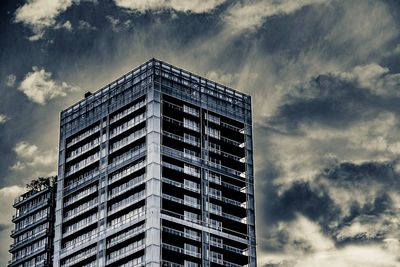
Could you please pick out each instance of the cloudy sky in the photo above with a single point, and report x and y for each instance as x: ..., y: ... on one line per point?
x: 325, y: 81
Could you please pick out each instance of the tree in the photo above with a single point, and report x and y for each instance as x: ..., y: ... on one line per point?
x: 41, y: 183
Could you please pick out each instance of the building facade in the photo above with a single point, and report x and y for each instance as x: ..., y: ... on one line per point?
x: 156, y: 169
x: 34, y: 228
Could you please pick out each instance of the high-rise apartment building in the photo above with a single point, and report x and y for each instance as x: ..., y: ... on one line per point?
x: 34, y: 223
x: 156, y: 169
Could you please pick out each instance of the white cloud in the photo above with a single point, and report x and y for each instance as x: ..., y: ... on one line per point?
x: 250, y: 15
x: 308, y: 247
x: 66, y: 25
x: 352, y: 256
x: 223, y: 78
x: 10, y: 80
x: 195, y: 6
x: 84, y: 25
x: 31, y: 158
x: 375, y: 78
x: 117, y: 25
x: 39, y: 87
x: 41, y: 14
x: 3, y: 118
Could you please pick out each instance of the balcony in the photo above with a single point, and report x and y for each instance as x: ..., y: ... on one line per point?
x: 234, y: 187
x: 181, y: 185
x: 80, y: 225
x: 126, y: 171
x: 236, y: 250
x: 80, y: 257
x: 234, y: 202
x: 16, y: 261
x: 135, y: 215
x: 138, y: 150
x: 80, y: 195
x: 70, y: 245
x: 192, y: 204
x: 28, y: 222
x: 81, y: 209
x: 180, y: 233
x: 182, y: 139
x: 29, y: 239
x: 117, y: 191
x: 20, y: 230
x: 81, y: 180
x: 181, y: 250
x: 173, y: 121
x: 83, y: 136
x: 226, y: 170
x: 128, y: 111
x: 126, y: 202
x: 30, y: 210
x: 232, y: 142
x: 231, y: 127
x: 128, y: 140
x: 82, y: 150
x: 231, y: 264
x: 234, y: 218
x: 128, y: 125
x: 82, y: 164
x: 125, y: 236
x: 125, y: 251
x: 30, y: 195
x: 171, y: 264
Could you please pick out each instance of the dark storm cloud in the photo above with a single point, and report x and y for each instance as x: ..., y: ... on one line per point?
x: 350, y: 174
x: 332, y: 102
x: 313, y: 199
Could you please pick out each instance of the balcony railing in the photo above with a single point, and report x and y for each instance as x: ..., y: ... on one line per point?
x: 181, y: 201
x: 80, y: 209
x: 126, y: 186
x: 231, y: 127
x: 181, y: 185
x: 233, y: 202
x: 80, y: 225
x: 182, y: 139
x: 128, y: 155
x: 125, y: 235
x: 83, y: 135
x: 89, y: 146
x: 29, y: 238
x: 126, y: 202
x: 128, y: 125
x: 171, y: 264
x: 30, y: 209
x: 231, y: 141
x: 128, y: 140
x: 80, y: 257
x: 181, y: 250
x: 125, y: 251
x: 128, y: 111
x: 226, y: 169
x: 135, y: 215
x: 231, y: 264
x: 92, y: 235
x: 234, y: 218
x: 126, y: 171
x: 180, y: 233
x: 80, y: 195
x: 82, y: 164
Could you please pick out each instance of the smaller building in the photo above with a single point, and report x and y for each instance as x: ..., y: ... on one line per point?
x: 34, y: 221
